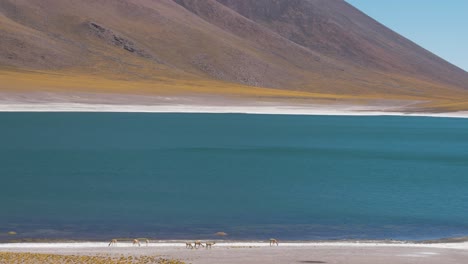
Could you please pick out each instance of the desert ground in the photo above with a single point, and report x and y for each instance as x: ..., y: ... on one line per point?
x: 240, y: 252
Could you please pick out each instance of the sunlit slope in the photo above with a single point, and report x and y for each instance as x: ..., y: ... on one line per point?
x: 293, y: 49
x: 30, y: 81
x: 73, y: 83
x: 338, y: 30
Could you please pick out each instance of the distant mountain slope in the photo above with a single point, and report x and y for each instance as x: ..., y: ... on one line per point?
x: 335, y: 28
x: 313, y: 46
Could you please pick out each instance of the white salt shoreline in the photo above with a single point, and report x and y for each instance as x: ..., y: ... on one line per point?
x: 259, y: 252
x: 231, y: 244
x: 320, y: 110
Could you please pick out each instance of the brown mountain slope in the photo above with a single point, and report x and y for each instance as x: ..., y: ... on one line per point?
x: 319, y: 48
x: 337, y: 29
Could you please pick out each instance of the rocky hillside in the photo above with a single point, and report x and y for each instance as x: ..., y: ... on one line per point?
x: 314, y: 46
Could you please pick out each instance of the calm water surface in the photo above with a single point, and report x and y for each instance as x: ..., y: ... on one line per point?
x: 170, y: 176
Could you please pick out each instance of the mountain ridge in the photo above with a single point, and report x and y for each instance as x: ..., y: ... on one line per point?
x: 311, y: 46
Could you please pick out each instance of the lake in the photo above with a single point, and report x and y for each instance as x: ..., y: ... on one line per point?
x: 97, y: 176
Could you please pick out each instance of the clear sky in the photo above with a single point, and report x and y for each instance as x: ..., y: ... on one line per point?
x: 440, y: 26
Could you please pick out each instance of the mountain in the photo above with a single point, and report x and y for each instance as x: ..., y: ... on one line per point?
x: 273, y: 49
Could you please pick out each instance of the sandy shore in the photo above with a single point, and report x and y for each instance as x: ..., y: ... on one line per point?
x: 335, y: 110
x: 262, y: 253
x: 86, y: 102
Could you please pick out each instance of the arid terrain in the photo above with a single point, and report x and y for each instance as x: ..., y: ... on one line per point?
x: 311, y: 51
x: 176, y: 253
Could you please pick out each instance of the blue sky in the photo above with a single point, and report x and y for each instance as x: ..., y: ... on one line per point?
x: 440, y: 26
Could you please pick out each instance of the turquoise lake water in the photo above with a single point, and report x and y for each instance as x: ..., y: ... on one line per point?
x: 174, y: 176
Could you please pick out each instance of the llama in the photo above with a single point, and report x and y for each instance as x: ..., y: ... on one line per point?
x: 273, y: 242
x: 113, y: 242
x: 198, y: 243
x: 209, y: 244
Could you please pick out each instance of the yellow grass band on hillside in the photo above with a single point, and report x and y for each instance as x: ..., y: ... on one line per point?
x: 72, y: 82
